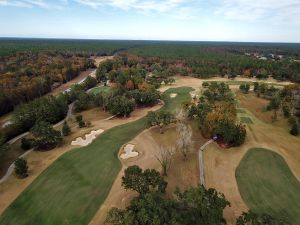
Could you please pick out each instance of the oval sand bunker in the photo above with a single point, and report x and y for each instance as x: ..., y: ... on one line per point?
x: 173, y: 95
x: 128, y: 152
x: 88, y: 138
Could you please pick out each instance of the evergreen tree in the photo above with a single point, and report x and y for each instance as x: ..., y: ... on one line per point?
x: 66, y: 130
x: 21, y: 168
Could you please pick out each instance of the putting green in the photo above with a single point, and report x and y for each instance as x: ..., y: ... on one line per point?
x: 72, y: 189
x: 98, y: 90
x: 267, y: 185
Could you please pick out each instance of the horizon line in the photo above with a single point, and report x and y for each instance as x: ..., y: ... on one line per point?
x: 154, y: 40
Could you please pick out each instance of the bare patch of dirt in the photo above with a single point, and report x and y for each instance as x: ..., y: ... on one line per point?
x: 182, y: 174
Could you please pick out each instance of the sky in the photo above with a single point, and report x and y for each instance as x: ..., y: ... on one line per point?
x: 188, y: 20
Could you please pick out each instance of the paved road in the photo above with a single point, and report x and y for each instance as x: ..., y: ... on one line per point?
x: 201, y: 162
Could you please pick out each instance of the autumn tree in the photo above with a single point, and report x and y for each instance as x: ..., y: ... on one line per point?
x: 184, y: 142
x: 164, y: 158
x: 160, y: 119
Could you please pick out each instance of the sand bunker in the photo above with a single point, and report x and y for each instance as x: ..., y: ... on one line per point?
x: 88, y: 138
x: 128, y: 152
x: 173, y: 95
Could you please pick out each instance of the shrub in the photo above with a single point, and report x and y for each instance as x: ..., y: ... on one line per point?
x: 295, y: 130
x: 78, y: 118
x: 26, y: 143
x: 21, y: 168
x: 81, y: 124
x: 66, y: 130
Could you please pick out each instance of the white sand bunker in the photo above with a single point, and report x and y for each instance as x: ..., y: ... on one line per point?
x: 128, y: 152
x: 173, y: 95
x: 88, y: 138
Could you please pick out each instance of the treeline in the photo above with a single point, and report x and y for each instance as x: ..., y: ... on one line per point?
x: 286, y: 100
x: 26, y: 76
x: 216, y: 115
x: 207, y: 61
x: 196, y: 205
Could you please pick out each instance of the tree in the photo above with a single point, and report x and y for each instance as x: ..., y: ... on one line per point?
x: 164, y: 158
x: 121, y: 106
x: 245, y: 88
x: 26, y: 143
x: 21, y: 168
x: 195, y: 206
x: 184, y: 142
x: 89, y: 82
x: 274, y: 105
x: 231, y: 133
x: 66, y: 130
x: 83, y: 102
x: 45, y: 137
x: 160, y: 118
x: 143, y: 181
x: 295, y: 129
x: 251, y: 218
x: 3, y: 146
x: 202, y: 206
x: 79, y: 118
x: 256, y: 87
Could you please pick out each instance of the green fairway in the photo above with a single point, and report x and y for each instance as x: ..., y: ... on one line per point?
x: 98, y: 90
x: 267, y: 185
x: 73, y: 188
x: 245, y: 119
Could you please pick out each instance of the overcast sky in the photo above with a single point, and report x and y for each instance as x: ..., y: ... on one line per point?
x: 198, y: 20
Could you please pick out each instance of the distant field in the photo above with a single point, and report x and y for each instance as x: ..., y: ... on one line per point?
x: 73, y: 188
x: 267, y: 185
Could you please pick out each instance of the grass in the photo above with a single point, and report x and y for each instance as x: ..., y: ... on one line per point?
x: 98, y: 90
x: 72, y: 189
x: 246, y: 120
x: 267, y: 185
x: 239, y: 110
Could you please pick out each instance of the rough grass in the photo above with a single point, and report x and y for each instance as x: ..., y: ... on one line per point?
x: 73, y: 188
x: 267, y: 185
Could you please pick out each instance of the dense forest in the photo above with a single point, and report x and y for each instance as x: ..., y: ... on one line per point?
x: 25, y: 76
x: 203, y: 61
x: 30, y: 68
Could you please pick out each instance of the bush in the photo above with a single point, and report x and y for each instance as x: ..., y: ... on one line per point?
x: 66, y: 130
x: 295, y: 130
x: 26, y: 144
x: 81, y: 124
x: 78, y: 118
x: 21, y: 168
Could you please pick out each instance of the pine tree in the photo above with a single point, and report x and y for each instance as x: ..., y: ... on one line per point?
x: 295, y: 130
x: 21, y: 168
x: 66, y: 130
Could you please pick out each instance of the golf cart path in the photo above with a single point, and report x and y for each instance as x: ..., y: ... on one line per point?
x: 12, y: 166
